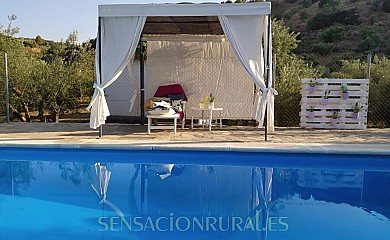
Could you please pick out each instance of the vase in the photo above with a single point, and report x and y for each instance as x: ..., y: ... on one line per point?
x: 211, y: 105
x: 325, y: 101
x: 333, y: 121
x: 345, y: 96
x: 355, y: 115
x: 311, y: 89
x: 311, y: 115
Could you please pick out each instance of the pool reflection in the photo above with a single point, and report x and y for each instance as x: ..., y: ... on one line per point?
x: 279, y: 203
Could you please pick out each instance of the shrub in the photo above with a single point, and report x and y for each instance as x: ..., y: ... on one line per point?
x: 387, y: 51
x: 334, y: 65
x: 386, y: 6
x: 370, y: 43
x: 329, y: 3
x: 28, y: 44
x: 304, y: 15
x: 347, y: 17
x: 328, y: 18
x: 289, y: 77
x: 371, y: 40
x: 376, y: 5
x: 321, y: 20
x: 306, y: 3
x: 323, y: 48
x: 291, y: 1
x: 379, y: 106
x: 373, y: 19
x: 289, y: 13
x: 39, y: 40
x: 334, y: 33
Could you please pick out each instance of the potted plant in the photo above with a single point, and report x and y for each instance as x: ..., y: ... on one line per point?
x: 312, y: 85
x: 211, y: 100
x: 325, y: 100
x: 311, y: 112
x: 344, y: 91
x: 355, y: 110
x: 333, y: 120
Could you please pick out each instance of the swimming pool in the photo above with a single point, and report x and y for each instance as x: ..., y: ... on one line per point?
x: 60, y: 193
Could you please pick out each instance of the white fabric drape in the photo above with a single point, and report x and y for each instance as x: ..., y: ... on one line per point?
x: 133, y: 83
x: 119, y: 37
x: 245, y: 37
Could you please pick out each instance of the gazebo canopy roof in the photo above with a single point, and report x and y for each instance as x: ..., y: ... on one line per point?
x: 197, y: 19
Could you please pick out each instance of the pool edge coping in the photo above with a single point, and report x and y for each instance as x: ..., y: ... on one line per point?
x: 280, y: 148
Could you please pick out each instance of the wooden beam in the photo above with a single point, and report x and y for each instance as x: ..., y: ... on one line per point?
x: 183, y: 25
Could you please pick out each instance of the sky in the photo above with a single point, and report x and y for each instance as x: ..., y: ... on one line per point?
x: 55, y: 19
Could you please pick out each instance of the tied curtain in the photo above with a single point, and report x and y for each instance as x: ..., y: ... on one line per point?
x: 118, y: 37
x: 244, y: 34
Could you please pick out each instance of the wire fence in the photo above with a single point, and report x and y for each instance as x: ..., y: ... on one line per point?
x: 287, y: 103
x: 377, y: 69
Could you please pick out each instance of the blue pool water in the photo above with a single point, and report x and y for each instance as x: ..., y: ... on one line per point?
x: 129, y: 194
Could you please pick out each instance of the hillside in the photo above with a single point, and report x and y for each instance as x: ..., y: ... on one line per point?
x: 337, y: 29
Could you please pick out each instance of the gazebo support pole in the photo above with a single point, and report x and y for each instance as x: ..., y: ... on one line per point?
x: 101, y: 131
x: 268, y: 76
x: 100, y: 65
x: 142, y: 80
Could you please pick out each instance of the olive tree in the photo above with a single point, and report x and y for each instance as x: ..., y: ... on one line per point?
x: 52, y: 81
x: 379, y: 90
x: 290, y: 69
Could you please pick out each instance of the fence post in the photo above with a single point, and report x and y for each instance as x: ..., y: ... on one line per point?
x: 368, y: 66
x: 6, y: 87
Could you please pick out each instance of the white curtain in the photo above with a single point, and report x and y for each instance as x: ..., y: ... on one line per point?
x: 245, y: 37
x: 133, y: 82
x: 119, y: 38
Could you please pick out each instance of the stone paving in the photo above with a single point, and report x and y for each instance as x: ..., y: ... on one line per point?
x: 232, y: 137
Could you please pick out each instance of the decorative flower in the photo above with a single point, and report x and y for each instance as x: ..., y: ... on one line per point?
x: 312, y: 84
x: 356, y: 108
x: 344, y: 88
x: 211, y: 98
x: 335, y: 115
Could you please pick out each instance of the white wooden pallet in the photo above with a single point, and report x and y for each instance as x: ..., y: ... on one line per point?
x: 358, y: 93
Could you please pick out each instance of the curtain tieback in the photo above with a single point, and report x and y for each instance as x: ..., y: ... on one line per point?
x: 271, y: 90
x: 99, y: 91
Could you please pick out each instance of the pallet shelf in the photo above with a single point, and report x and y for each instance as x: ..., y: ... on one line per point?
x: 358, y: 93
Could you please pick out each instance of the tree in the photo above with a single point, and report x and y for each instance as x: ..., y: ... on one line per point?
x: 73, y: 37
x: 379, y: 106
x: 54, y: 81
x: 39, y: 40
x: 10, y: 31
x: 290, y: 69
x: 333, y: 34
x: 68, y: 79
x: 19, y: 67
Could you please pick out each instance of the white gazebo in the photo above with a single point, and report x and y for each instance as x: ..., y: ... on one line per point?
x: 247, y: 27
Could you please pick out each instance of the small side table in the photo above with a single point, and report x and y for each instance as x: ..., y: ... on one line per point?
x: 210, y: 110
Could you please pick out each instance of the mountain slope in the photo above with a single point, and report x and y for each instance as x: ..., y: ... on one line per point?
x: 341, y: 28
